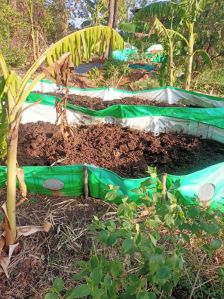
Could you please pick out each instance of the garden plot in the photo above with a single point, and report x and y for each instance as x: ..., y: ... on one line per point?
x: 125, y: 151
x: 163, y: 96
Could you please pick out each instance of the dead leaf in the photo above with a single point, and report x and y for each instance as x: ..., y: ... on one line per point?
x: 32, y: 229
x: 2, y: 244
x: 47, y: 226
x: 5, y: 260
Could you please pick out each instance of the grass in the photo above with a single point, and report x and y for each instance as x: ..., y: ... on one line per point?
x: 210, y: 81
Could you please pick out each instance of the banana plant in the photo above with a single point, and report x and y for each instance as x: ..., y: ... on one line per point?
x: 14, y: 90
x: 171, y: 36
x: 186, y: 14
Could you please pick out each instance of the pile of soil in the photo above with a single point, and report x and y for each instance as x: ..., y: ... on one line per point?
x: 99, y: 104
x: 126, y: 151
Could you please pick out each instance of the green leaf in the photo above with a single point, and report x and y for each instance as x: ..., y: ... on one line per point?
x: 94, y: 262
x: 193, y: 212
x: 155, y: 262
x: 79, y: 292
x: 107, y: 281
x: 111, y: 196
x: 186, y: 238
x: 152, y: 171
x: 205, y: 56
x: 152, y: 295
x: 221, y: 273
x: 96, y: 275
x: 169, y: 220
x: 112, y: 239
x: 173, y: 261
x: 167, y: 287
x: 128, y: 27
x: 51, y: 296
x: 116, y: 268
x: 58, y: 284
x: 80, y: 275
x: 215, y: 244
x: 163, y: 273
x: 146, y: 295
x: 212, y: 229
x: 1, y: 217
x: 103, y: 236
x: 98, y: 293
x: 153, y: 239
x: 128, y: 246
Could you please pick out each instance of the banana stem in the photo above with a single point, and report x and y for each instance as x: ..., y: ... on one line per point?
x: 11, y: 188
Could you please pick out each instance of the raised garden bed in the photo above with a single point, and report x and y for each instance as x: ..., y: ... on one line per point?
x: 99, y: 104
x: 125, y: 151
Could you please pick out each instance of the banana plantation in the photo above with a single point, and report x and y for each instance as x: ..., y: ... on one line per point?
x: 111, y: 149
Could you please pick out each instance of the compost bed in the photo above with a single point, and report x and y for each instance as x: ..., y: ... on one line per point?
x: 99, y: 104
x: 125, y: 151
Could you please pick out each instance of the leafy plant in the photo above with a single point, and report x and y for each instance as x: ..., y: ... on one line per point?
x: 142, y: 253
x: 183, y: 17
x: 114, y: 71
x: 94, y: 73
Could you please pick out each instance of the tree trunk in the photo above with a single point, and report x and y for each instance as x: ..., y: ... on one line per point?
x: 190, y: 57
x: 111, y: 10
x: 115, y: 14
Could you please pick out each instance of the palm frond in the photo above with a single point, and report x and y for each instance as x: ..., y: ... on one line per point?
x: 169, y: 33
x: 158, y: 9
x: 205, y: 56
x: 82, y: 44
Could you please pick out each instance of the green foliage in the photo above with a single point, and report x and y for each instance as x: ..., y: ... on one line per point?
x: 94, y: 73
x: 179, y: 24
x: 114, y: 70
x: 10, y: 21
x: 18, y: 18
x: 145, y: 251
x: 85, y: 43
x: 211, y: 81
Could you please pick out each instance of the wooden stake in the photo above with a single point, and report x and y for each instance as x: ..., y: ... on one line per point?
x: 85, y: 182
x: 164, y: 177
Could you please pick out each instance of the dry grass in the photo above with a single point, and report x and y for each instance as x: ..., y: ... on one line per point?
x: 41, y: 257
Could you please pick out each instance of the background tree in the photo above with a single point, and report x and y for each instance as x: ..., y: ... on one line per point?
x: 181, y: 16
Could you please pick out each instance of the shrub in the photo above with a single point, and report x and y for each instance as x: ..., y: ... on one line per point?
x: 143, y: 253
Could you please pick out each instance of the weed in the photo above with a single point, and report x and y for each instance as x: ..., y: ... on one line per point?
x: 145, y: 252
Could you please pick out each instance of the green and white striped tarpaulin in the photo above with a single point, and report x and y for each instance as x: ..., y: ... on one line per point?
x: 205, y: 122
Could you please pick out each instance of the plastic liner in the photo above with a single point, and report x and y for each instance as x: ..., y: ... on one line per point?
x: 205, y: 122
